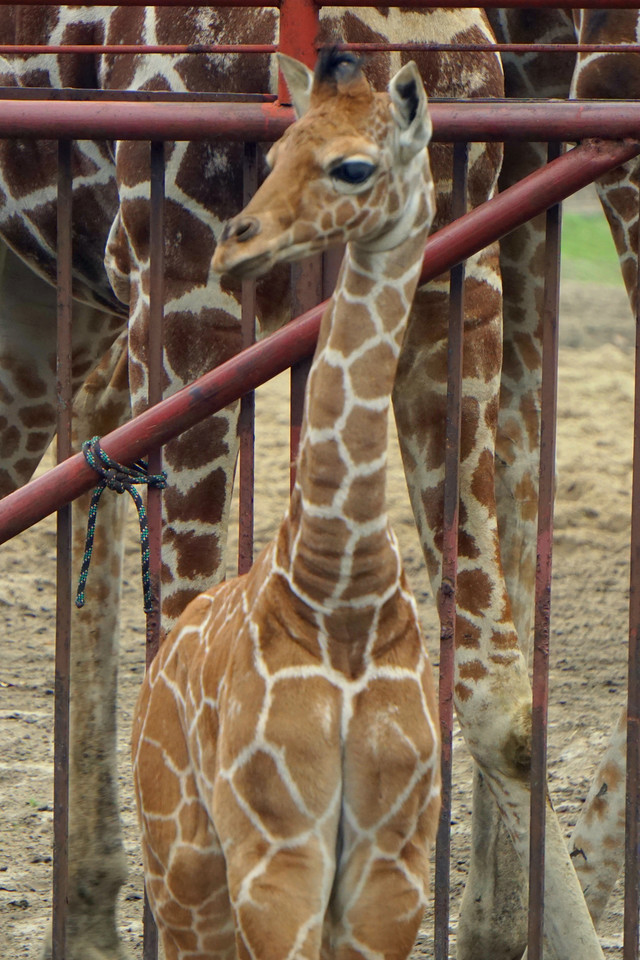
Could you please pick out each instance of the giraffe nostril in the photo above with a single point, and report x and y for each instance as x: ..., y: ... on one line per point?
x: 246, y: 228
x: 240, y: 229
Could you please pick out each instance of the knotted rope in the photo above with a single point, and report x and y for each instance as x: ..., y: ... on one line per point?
x: 117, y: 477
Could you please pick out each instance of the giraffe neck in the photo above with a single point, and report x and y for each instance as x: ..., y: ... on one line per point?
x: 340, y: 549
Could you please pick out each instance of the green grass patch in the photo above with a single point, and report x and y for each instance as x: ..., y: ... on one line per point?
x: 588, y: 250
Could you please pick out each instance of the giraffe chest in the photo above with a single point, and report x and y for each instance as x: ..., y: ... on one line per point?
x: 306, y: 748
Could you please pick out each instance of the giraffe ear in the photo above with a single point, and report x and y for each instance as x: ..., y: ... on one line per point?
x: 409, y: 106
x: 299, y: 81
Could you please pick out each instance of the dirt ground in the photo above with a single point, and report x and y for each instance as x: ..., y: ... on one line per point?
x: 589, y: 625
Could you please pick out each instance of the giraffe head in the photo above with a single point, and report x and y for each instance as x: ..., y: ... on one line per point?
x: 353, y: 168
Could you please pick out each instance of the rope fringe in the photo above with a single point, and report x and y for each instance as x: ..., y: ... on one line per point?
x: 115, y: 476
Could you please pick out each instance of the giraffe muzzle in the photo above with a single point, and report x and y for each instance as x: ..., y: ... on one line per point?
x: 240, y: 229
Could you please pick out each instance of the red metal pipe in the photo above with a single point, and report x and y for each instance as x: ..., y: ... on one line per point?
x: 487, y: 120
x: 299, y: 26
x: 254, y: 366
x: 492, y: 47
x: 136, y: 49
x: 25, y: 49
x: 511, y: 4
x: 410, y: 4
x: 143, y: 121
x: 72, y: 94
x: 162, y: 422
x: 155, y: 373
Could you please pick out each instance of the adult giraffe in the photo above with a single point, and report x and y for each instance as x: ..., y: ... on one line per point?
x: 111, y: 220
x: 111, y: 204
x: 493, y: 917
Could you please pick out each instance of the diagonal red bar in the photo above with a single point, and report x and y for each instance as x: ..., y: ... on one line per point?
x: 266, y: 359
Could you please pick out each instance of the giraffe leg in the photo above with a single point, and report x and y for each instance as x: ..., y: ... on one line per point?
x: 619, y: 193
x: 198, y: 921
x: 597, y: 842
x: 209, y: 905
x: 28, y: 388
x: 496, y: 878
x: 492, y: 693
x: 27, y: 362
x: 97, y: 866
x: 379, y: 897
x: 201, y: 330
x: 493, y: 912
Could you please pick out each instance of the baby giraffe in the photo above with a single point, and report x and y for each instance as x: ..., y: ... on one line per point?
x: 285, y: 743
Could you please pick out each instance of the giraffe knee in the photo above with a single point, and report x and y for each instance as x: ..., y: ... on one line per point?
x: 500, y: 743
x: 516, y: 748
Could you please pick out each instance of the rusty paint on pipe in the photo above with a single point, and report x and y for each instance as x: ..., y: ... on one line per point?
x: 63, y: 565
x: 254, y: 366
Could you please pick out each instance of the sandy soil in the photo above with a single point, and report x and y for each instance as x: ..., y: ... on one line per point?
x: 590, y: 594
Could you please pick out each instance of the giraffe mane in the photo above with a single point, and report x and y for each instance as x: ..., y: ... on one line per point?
x: 336, y: 67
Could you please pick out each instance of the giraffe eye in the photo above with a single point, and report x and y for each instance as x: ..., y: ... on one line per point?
x: 353, y: 171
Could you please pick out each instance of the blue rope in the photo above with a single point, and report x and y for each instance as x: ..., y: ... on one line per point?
x: 117, y: 477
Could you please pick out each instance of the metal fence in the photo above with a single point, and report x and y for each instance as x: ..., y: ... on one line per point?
x: 611, y: 131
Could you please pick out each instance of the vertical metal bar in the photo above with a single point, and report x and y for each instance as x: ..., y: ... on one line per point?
x: 63, y: 564
x: 246, y: 424
x: 155, y: 371
x: 447, y: 598
x: 299, y: 22
x: 154, y: 496
x: 632, y: 802
x: 543, y: 576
